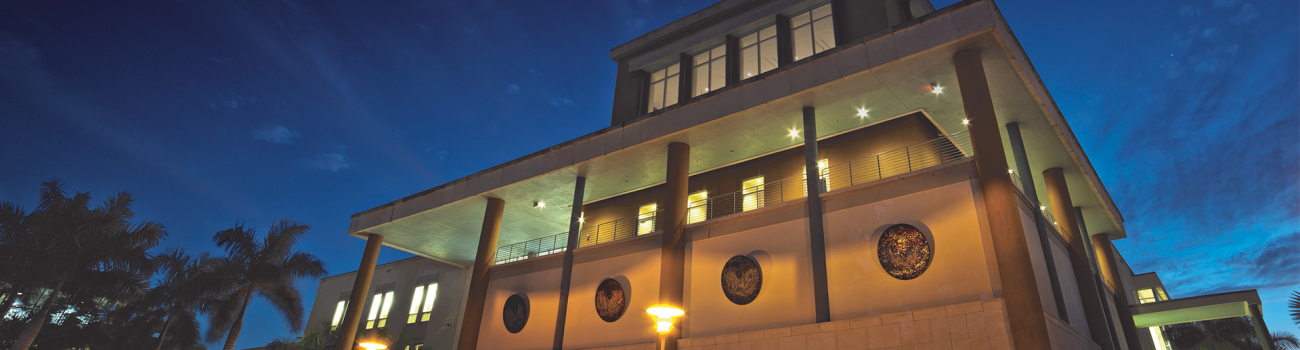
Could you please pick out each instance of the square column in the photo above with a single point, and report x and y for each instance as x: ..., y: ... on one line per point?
x: 1010, y: 247
x: 478, y: 279
x: 816, y: 228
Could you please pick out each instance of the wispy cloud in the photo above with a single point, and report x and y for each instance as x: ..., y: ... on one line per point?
x: 276, y: 134
x: 333, y: 162
x: 512, y: 88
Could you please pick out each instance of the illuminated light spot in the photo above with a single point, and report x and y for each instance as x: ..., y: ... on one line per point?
x: 1042, y: 207
x: 936, y: 89
x: 862, y: 112
x: 794, y: 133
x: 1011, y: 171
x: 965, y: 122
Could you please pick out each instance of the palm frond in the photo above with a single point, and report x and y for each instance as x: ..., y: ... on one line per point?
x: 286, y: 299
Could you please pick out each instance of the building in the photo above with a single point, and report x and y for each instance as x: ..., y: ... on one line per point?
x: 952, y: 208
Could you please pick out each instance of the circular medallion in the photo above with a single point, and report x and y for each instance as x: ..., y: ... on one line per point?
x: 611, y: 301
x: 515, y: 313
x: 741, y: 279
x: 904, y: 252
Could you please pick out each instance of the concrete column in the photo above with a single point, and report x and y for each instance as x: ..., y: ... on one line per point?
x: 784, y: 40
x: 478, y: 279
x: 1063, y: 210
x: 1261, y: 329
x: 1011, y: 249
x: 1105, y: 253
x: 361, y: 285
x: 672, y: 268
x: 1045, y: 243
x: 566, y: 274
x: 816, y: 230
x: 1148, y: 342
x: 1083, y: 234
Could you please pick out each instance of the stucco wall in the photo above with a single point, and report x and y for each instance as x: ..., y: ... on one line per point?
x: 958, y: 272
x: 639, y: 274
x: 401, y: 277
x: 785, y: 299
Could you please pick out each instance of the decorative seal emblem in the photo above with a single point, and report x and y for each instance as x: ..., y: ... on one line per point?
x: 741, y: 279
x: 515, y: 312
x: 904, y: 252
x: 611, y: 301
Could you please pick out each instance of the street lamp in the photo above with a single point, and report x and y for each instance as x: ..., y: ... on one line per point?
x: 371, y: 340
x: 665, y: 314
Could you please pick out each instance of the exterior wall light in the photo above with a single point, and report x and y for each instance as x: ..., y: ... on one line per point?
x: 665, y: 316
x: 965, y: 122
x: 371, y: 340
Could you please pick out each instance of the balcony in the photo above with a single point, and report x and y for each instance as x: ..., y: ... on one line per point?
x: 944, y: 149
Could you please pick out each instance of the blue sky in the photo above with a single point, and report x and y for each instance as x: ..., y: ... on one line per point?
x: 214, y: 112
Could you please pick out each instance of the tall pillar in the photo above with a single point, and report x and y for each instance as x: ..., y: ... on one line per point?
x: 816, y: 235
x: 478, y: 278
x: 361, y: 285
x: 1110, y: 270
x: 1011, y: 249
x: 566, y: 272
x: 1083, y: 234
x: 1063, y: 209
x: 672, y: 268
x: 1261, y: 329
x: 1031, y: 192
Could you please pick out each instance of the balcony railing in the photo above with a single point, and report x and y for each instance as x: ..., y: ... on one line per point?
x: 923, y: 155
x: 1015, y: 180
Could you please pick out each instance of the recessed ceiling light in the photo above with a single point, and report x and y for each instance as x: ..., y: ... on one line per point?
x: 935, y: 88
x: 965, y: 122
x: 794, y: 133
x: 862, y: 112
x: 539, y: 205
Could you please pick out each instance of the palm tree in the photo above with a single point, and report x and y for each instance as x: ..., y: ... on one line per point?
x: 187, y: 285
x: 266, y: 268
x: 1284, y: 341
x: 1294, y: 306
x: 72, y: 251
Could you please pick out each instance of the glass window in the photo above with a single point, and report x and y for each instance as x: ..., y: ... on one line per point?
x: 338, y: 314
x: 752, y: 194
x: 710, y: 70
x: 645, y: 219
x: 422, y: 303
x: 1146, y: 296
x: 697, y: 207
x: 383, y: 302
x: 823, y: 175
x: 758, y: 52
x: 1161, y: 292
x: 663, y: 88
x: 812, y: 32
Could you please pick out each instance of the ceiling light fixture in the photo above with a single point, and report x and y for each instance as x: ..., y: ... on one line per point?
x: 965, y: 122
x: 539, y: 205
x: 862, y: 112
x: 794, y: 133
x: 935, y: 88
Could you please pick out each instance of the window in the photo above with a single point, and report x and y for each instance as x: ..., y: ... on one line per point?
x: 752, y: 194
x: 379, y: 310
x: 812, y: 32
x: 415, y: 347
x: 420, y: 312
x: 1146, y: 296
x: 823, y: 175
x: 663, y: 88
x: 697, y: 207
x: 1160, y: 291
x: 338, y: 314
x: 645, y: 219
x: 758, y: 52
x: 710, y: 70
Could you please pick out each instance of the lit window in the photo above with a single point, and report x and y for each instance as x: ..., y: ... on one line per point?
x: 758, y: 52
x: 420, y: 311
x: 338, y: 314
x: 1161, y: 292
x: 645, y: 219
x: 1146, y: 296
x: 697, y: 207
x: 663, y: 88
x: 823, y: 175
x: 752, y: 194
x: 710, y: 70
x: 812, y: 32
x: 379, y: 310
x: 415, y: 347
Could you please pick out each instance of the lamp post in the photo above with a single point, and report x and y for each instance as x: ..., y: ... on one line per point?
x: 664, y: 315
x: 371, y: 340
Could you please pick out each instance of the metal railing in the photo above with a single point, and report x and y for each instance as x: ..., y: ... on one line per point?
x: 532, y: 248
x: 923, y: 155
x: 1015, y: 180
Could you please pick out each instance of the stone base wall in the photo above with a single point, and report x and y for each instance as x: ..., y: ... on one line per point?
x: 974, y: 325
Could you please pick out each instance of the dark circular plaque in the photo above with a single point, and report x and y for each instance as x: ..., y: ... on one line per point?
x: 515, y: 313
x: 904, y: 252
x: 611, y: 301
x: 741, y: 279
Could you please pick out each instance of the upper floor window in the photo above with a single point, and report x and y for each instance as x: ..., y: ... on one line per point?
x: 379, y: 310
x: 663, y: 88
x: 710, y: 70
x: 338, y: 314
x: 752, y: 194
x: 1146, y: 296
x: 422, y: 303
x: 645, y: 219
x: 758, y: 52
x: 812, y: 32
x: 697, y: 207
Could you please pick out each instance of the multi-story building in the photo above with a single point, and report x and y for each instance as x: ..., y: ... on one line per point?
x: 791, y: 174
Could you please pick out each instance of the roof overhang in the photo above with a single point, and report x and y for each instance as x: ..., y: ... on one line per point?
x: 884, y: 74
x: 1201, y: 308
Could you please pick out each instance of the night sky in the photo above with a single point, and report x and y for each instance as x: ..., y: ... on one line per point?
x: 211, y: 112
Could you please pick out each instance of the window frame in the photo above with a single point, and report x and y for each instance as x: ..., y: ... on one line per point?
x: 709, y: 65
x: 340, y: 312
x: 645, y: 221
x: 811, y: 25
x: 671, y: 82
x: 757, y: 46
x: 422, y: 302
x: 757, y: 192
x: 381, y: 306
x: 702, y: 205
